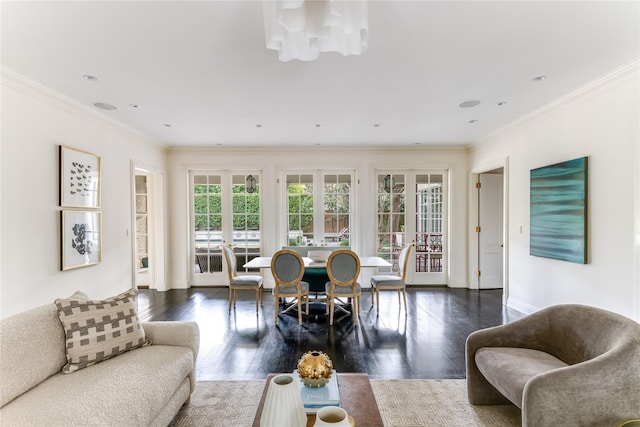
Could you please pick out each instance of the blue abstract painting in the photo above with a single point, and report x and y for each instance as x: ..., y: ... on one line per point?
x: 558, y: 206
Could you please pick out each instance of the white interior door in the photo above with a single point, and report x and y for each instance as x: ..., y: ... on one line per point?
x: 490, y: 238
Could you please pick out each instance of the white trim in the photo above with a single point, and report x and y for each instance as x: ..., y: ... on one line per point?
x: 619, y: 77
x: 158, y: 236
x: 636, y: 243
x: 25, y: 86
x: 521, y: 306
x: 473, y: 214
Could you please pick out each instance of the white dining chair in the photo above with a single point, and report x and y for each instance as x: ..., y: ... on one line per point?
x: 392, y: 282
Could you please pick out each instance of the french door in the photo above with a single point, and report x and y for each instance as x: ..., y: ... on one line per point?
x: 412, y: 208
x: 319, y: 208
x: 225, y: 209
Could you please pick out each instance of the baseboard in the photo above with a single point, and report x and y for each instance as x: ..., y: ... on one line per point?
x: 521, y: 306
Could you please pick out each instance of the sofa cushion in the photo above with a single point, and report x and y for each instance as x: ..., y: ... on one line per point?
x: 96, y: 330
x: 508, y: 369
x: 31, y: 350
x: 128, y: 390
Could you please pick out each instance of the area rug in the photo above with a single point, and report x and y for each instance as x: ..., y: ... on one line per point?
x: 402, y: 403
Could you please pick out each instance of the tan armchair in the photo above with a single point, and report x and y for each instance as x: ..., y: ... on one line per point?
x: 564, y: 365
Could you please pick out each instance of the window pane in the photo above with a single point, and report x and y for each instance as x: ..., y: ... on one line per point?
x: 245, y: 217
x: 200, y: 204
x: 299, y: 202
x: 429, y: 222
x: 391, y: 216
x: 215, y: 204
x: 337, y: 194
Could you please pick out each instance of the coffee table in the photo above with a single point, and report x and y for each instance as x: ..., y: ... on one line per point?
x: 356, y: 397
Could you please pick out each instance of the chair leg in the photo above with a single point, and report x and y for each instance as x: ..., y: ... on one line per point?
x: 299, y: 310
x: 307, y: 312
x: 399, y: 301
x: 372, y: 292
x: 275, y: 320
x: 331, y: 312
x: 230, y: 291
x: 404, y: 295
x: 257, y: 298
x: 377, y: 301
x: 355, y: 306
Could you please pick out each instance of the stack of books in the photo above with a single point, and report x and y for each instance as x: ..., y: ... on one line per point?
x: 315, y: 398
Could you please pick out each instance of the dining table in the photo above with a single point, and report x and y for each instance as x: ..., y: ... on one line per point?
x: 365, y: 261
x: 316, y: 272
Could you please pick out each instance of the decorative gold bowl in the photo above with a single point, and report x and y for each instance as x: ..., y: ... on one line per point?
x: 315, y: 368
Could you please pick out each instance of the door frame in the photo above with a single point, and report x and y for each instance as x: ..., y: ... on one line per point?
x: 156, y: 208
x: 473, y: 216
x: 414, y: 277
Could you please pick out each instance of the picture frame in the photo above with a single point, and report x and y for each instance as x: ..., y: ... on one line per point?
x: 558, y: 211
x: 79, y: 178
x: 81, y: 239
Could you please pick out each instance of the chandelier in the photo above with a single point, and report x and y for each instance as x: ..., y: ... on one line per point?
x: 301, y: 29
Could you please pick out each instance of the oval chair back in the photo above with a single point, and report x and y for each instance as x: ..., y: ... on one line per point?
x: 287, y: 267
x: 343, y: 269
x: 230, y: 258
x: 403, y: 261
x: 247, y: 281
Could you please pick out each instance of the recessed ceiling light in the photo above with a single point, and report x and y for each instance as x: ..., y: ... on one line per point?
x: 167, y: 125
x: 135, y: 105
x: 105, y: 106
x: 376, y: 125
x: 317, y: 125
x: 539, y: 78
x: 501, y: 103
x: 469, y: 104
x: 258, y: 125
x: 473, y: 121
x: 90, y: 77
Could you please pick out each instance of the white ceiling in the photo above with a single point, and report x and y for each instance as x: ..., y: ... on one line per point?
x: 203, y: 68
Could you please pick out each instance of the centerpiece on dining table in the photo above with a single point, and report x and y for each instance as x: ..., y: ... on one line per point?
x: 319, y: 255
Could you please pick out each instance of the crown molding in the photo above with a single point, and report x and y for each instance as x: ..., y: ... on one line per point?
x: 622, y: 76
x: 12, y: 80
x: 422, y: 149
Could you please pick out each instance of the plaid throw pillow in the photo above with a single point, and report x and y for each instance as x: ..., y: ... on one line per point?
x: 97, y: 330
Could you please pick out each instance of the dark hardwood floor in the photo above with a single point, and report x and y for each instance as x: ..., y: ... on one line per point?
x: 426, y: 343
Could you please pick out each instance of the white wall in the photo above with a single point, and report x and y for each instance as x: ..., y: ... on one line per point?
x: 364, y: 162
x: 600, y: 121
x: 34, y: 122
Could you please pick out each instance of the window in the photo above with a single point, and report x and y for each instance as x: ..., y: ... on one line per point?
x: 429, y: 222
x: 337, y: 209
x: 412, y: 208
x: 226, y: 209
x: 391, y: 216
x: 319, y: 214
x: 300, y: 209
x: 207, y: 208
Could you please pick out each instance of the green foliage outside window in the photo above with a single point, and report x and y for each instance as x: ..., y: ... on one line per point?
x: 207, y: 201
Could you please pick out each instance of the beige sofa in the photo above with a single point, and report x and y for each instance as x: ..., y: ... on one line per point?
x: 141, y: 387
x: 566, y: 365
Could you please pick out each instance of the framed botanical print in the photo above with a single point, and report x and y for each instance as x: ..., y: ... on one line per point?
x: 79, y: 178
x: 81, y: 237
